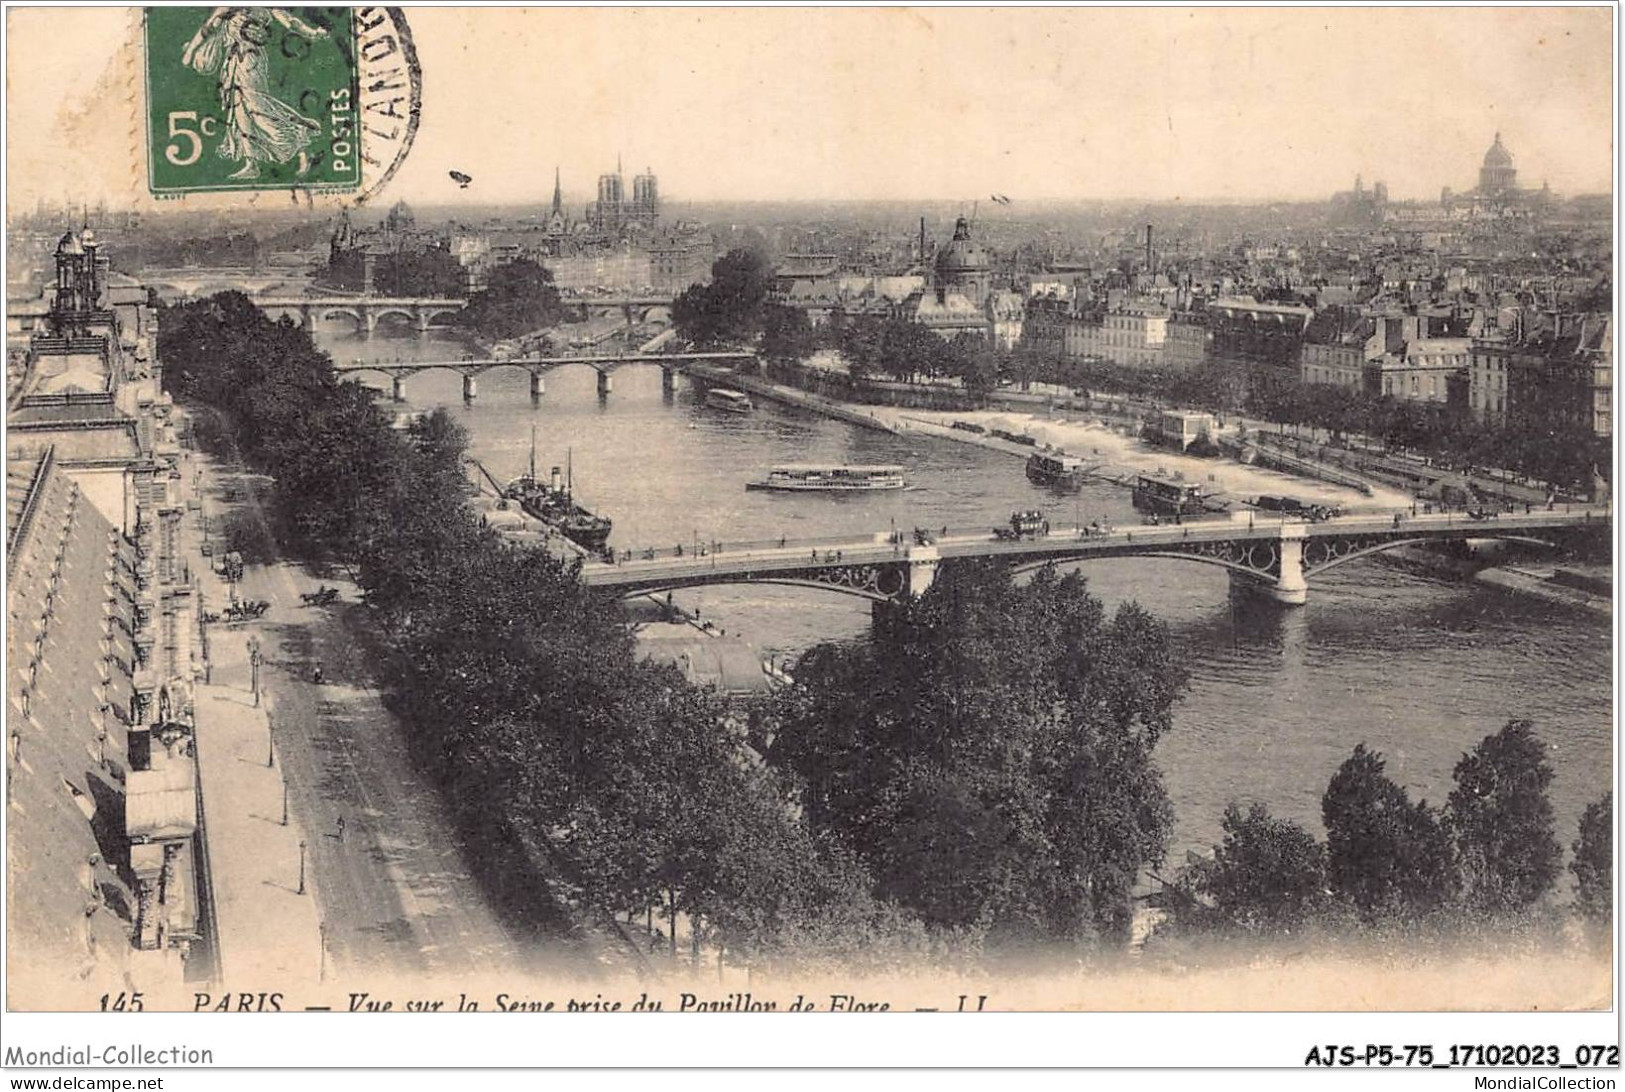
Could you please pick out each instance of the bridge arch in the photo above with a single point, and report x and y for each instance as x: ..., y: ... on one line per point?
x: 358, y: 325
x: 388, y: 371
x: 876, y: 584
x: 432, y: 316
x: 496, y: 366
x: 1317, y: 562
x: 556, y: 364
x: 1263, y: 574
x: 616, y: 365
x: 393, y: 320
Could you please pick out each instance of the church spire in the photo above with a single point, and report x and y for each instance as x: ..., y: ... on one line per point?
x: 558, y: 192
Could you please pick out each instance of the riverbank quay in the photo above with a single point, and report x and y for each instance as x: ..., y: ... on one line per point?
x: 264, y: 888
x: 1549, y: 585
x: 1048, y: 411
x: 862, y: 416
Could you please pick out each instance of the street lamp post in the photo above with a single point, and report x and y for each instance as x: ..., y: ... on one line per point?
x: 301, y: 866
x: 254, y: 668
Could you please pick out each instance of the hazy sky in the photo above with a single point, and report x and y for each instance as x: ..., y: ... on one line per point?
x: 917, y: 103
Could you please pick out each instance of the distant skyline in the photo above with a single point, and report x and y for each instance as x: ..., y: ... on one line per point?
x: 1204, y: 105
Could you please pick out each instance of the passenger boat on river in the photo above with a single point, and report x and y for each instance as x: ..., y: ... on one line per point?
x: 1170, y: 498
x: 831, y: 479
x: 1056, y: 469
x: 732, y: 401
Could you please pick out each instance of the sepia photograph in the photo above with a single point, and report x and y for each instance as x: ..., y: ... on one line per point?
x: 1100, y: 511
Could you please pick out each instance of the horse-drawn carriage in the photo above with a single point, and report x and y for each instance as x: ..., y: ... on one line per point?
x: 246, y: 611
x: 1030, y: 524
x: 321, y: 597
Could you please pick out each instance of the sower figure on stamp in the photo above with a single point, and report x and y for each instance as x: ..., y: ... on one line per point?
x: 259, y: 126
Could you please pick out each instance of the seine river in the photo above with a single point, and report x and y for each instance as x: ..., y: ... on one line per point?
x: 1418, y: 667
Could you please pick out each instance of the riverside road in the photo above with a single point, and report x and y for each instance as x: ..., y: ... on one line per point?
x: 395, y: 892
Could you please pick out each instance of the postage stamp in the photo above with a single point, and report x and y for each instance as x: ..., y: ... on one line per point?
x: 245, y: 98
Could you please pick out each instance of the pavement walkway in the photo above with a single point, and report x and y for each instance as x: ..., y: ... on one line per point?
x: 269, y: 931
x: 396, y: 895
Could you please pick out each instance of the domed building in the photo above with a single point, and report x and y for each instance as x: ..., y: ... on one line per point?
x: 964, y: 267
x: 1497, y: 196
x: 1497, y: 176
x: 960, y: 297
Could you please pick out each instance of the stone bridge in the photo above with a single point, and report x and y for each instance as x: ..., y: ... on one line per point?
x: 636, y: 309
x: 538, y: 366
x: 364, y: 311
x: 1279, y: 556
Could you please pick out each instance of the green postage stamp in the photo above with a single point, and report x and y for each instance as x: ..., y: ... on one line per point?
x: 253, y: 99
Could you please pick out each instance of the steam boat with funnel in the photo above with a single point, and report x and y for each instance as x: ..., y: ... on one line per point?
x: 553, y: 502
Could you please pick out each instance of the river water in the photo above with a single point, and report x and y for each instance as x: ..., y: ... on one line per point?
x: 1418, y: 667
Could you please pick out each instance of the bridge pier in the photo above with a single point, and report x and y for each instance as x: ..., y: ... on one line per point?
x: 1291, y: 588
x: 470, y: 388
x: 668, y: 381
x: 538, y: 386
x: 397, y: 387
x: 369, y: 322
x: 605, y: 384
x: 922, y: 569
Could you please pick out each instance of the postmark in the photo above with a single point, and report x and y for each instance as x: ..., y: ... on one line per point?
x: 314, y: 100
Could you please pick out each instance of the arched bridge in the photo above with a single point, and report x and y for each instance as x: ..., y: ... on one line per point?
x: 538, y: 366
x: 364, y: 311
x: 635, y: 308
x: 1279, y: 555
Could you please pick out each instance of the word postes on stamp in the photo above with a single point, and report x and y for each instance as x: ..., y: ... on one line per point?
x: 254, y: 99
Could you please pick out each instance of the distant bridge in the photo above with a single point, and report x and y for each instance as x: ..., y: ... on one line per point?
x: 364, y: 311
x: 178, y: 284
x: 636, y: 308
x: 1278, y: 555
x: 538, y: 366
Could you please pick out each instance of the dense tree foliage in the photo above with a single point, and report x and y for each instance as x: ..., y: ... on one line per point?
x: 1501, y: 820
x: 325, y: 442
x: 1268, y: 875
x: 574, y: 766
x: 787, y: 335
x: 432, y: 272
x: 1593, y: 864
x: 1385, y: 855
x: 519, y: 298
x: 988, y: 754
x: 1491, y: 857
x: 731, y: 310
